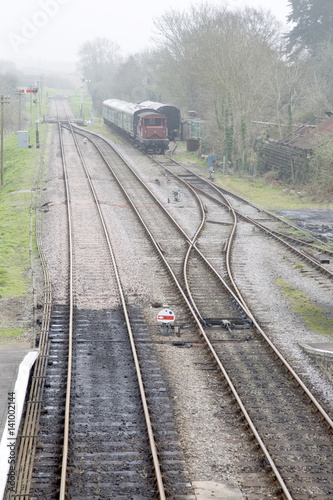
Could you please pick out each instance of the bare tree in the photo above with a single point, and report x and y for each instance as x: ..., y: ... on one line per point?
x: 219, y: 62
x: 98, y: 61
x: 135, y: 78
x: 9, y: 82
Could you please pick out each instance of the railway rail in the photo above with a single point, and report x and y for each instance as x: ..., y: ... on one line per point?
x: 259, y: 337
x: 86, y: 424
x: 304, y: 248
x: 81, y: 353
x: 291, y: 434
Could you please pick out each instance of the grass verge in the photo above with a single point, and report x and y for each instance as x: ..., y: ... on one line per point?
x: 253, y: 189
x: 15, y: 223
x: 313, y: 316
x: 10, y: 334
x: 81, y: 104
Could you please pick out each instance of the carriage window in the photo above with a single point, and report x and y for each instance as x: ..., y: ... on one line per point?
x: 156, y: 122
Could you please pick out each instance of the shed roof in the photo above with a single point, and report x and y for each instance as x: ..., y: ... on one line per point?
x: 304, y: 137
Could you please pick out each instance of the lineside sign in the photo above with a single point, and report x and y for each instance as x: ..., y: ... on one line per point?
x: 166, y: 316
x: 28, y: 91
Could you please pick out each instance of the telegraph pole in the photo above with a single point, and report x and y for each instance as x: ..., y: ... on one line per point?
x: 20, y: 110
x: 81, y: 100
x: 3, y: 100
x: 41, y: 87
x: 19, y: 92
x: 30, y: 108
x: 83, y: 82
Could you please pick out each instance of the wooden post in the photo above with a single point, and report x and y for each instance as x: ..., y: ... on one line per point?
x: 3, y: 100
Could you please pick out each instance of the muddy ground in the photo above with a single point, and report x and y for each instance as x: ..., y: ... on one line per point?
x: 318, y: 221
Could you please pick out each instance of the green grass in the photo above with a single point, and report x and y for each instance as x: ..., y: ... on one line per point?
x: 313, y: 316
x: 266, y: 196
x: 15, y: 200
x: 251, y: 188
x: 10, y: 334
x: 75, y: 102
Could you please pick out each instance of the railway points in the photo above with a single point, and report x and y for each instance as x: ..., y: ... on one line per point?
x: 183, y: 266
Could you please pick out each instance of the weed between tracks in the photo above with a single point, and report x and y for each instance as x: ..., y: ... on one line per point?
x: 313, y: 316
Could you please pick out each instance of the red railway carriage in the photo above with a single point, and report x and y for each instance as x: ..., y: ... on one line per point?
x: 171, y: 112
x: 146, y: 127
x: 151, y: 126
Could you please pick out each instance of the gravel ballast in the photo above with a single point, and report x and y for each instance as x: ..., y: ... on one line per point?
x: 201, y: 416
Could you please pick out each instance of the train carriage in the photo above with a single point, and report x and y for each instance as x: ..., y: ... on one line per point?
x: 171, y: 112
x: 146, y: 127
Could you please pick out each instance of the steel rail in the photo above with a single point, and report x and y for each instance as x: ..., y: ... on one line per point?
x: 273, y: 234
x: 302, y: 242
x: 277, y: 217
x: 194, y: 189
x: 274, y: 216
x: 153, y: 447
x: 276, y: 234
x: 28, y: 437
x: 224, y: 191
x: 326, y: 418
x: 207, y: 341
x: 186, y: 261
x: 279, y: 237
x: 187, y: 255
x: 62, y: 491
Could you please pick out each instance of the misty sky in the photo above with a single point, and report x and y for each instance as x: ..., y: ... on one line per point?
x: 37, y: 32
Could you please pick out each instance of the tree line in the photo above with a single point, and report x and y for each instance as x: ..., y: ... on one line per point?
x: 238, y: 69
x: 9, y: 78
x: 243, y: 73
x: 11, y: 81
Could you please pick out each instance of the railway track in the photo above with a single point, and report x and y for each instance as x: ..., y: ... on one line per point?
x: 220, y: 329
x: 27, y: 438
x: 106, y: 417
x: 256, y: 374
x: 317, y: 255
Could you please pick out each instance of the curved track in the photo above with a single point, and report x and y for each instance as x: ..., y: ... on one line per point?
x: 272, y: 392
x: 106, y: 417
x: 106, y: 426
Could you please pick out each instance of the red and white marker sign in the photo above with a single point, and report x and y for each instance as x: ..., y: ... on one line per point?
x: 29, y: 91
x: 166, y: 316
